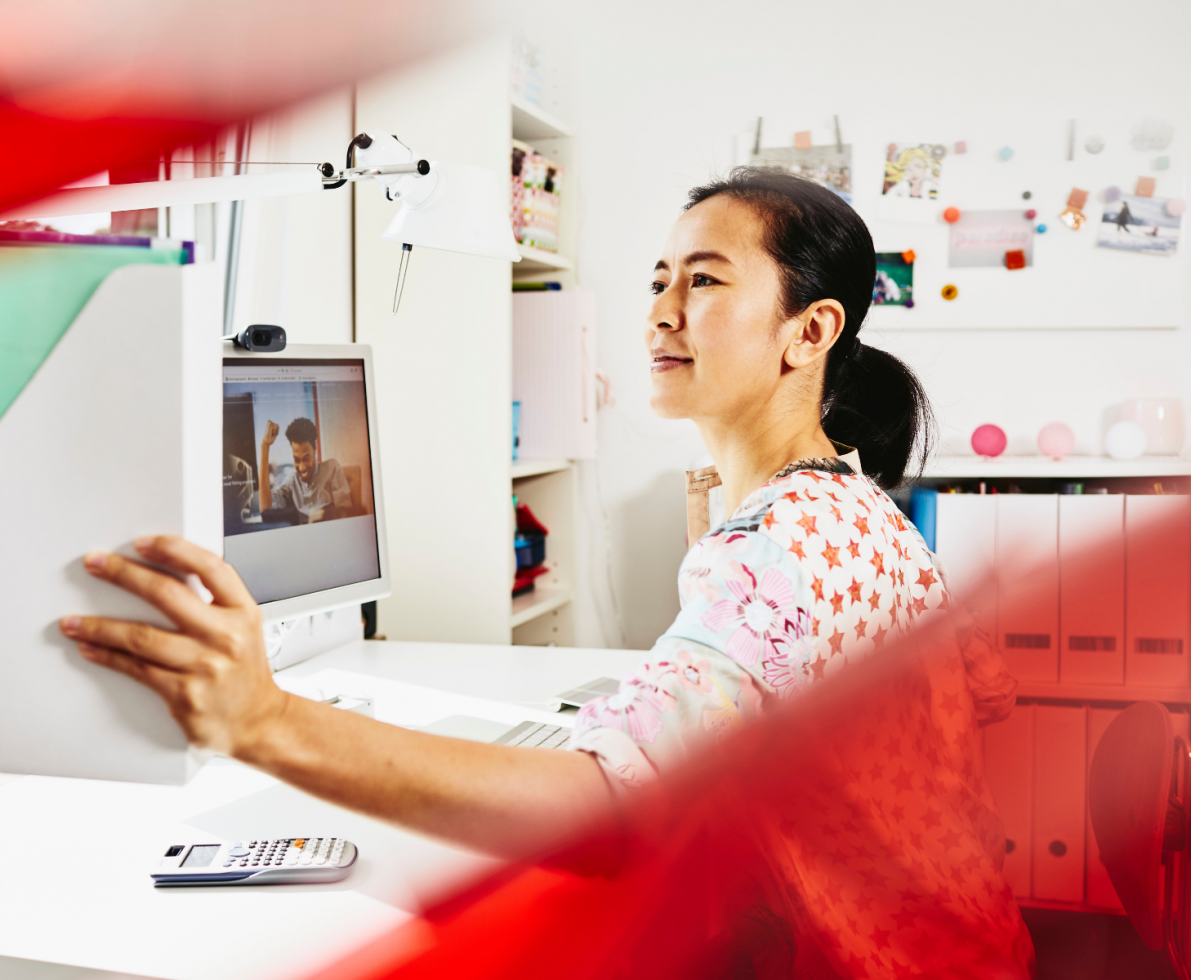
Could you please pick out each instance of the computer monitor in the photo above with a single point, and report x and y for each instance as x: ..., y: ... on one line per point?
x: 303, y: 515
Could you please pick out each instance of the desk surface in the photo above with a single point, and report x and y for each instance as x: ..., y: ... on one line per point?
x: 76, y: 898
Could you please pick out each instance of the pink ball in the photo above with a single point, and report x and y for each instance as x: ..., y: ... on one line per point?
x: 1056, y: 440
x: 989, y: 440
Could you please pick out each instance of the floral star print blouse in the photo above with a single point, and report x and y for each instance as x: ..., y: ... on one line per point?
x: 814, y: 571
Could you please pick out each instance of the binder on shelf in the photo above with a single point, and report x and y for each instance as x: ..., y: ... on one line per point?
x: 1092, y: 589
x: 554, y: 373
x: 1028, y: 584
x: 1060, y: 807
x: 1100, y: 890
x: 966, y: 539
x: 1157, y: 590
x: 1009, y: 768
x: 923, y: 508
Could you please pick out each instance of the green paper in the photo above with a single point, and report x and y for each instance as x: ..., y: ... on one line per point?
x: 42, y: 290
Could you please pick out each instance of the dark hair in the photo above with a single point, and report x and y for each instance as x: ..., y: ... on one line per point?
x: 871, y: 400
x: 302, y: 430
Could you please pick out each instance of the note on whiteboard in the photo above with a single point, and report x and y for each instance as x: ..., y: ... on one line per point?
x: 981, y: 238
x: 913, y: 179
x: 1139, y: 224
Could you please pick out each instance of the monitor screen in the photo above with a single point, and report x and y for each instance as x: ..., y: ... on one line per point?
x: 298, y: 509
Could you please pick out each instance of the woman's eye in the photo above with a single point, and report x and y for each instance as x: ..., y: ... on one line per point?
x: 698, y: 279
x: 656, y: 287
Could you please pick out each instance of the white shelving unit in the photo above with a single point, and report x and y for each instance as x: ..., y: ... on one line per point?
x: 531, y: 122
x: 545, y: 615
x: 536, y: 260
x: 452, y: 578
x: 537, y: 467
x: 1068, y: 468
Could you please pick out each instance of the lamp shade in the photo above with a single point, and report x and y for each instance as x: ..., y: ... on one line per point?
x: 464, y: 209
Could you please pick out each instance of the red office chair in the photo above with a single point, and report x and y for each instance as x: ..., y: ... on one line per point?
x: 1137, y: 795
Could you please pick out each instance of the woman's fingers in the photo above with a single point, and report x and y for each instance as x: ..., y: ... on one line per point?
x: 153, y: 677
x: 162, y: 648
x: 217, y: 575
x: 163, y: 591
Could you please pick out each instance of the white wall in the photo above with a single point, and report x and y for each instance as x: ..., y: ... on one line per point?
x: 296, y: 252
x: 665, y: 87
x: 443, y: 364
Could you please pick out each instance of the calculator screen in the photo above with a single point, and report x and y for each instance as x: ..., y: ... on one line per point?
x: 201, y: 855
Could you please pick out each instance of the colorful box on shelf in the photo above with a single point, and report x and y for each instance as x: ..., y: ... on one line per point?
x: 535, y: 197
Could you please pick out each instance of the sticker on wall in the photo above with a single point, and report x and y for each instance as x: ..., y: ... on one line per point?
x: 981, y: 239
x: 830, y: 166
x: 895, y: 279
x: 1151, y: 134
x: 913, y: 180
x: 1139, y: 224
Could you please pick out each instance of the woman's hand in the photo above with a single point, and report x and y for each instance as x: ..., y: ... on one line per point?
x: 212, y: 672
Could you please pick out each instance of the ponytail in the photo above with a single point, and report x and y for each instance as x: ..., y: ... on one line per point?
x: 874, y: 402
x: 871, y: 400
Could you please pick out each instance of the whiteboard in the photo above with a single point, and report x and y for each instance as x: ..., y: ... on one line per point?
x: 1072, y: 282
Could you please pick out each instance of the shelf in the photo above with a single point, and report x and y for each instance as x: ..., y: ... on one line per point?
x: 1102, y: 692
x: 539, y: 260
x: 531, y: 122
x: 1072, y: 467
x: 536, y: 467
x: 537, y: 603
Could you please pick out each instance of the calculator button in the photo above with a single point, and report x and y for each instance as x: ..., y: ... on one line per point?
x: 238, y: 851
x: 320, y: 860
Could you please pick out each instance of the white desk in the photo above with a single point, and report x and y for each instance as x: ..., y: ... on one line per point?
x: 75, y: 895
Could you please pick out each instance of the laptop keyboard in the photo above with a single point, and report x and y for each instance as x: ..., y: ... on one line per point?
x: 532, y: 734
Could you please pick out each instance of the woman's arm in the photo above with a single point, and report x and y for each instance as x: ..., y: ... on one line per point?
x: 214, y: 677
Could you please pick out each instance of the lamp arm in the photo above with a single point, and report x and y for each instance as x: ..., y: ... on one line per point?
x: 338, y: 178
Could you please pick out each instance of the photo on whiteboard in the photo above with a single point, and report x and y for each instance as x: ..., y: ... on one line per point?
x: 913, y: 170
x: 895, y: 280
x: 825, y: 165
x: 981, y: 239
x: 1139, y: 224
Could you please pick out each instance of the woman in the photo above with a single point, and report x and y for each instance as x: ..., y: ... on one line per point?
x: 758, y: 298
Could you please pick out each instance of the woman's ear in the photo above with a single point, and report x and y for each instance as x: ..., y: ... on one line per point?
x: 816, y: 330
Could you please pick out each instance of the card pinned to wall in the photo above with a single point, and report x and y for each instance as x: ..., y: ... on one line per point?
x: 1140, y: 224
x: 1145, y: 187
x: 981, y: 239
x: 826, y: 165
x: 895, y: 279
x: 802, y: 140
x: 913, y: 181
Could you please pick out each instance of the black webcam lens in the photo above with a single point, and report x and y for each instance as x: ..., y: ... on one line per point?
x: 261, y: 338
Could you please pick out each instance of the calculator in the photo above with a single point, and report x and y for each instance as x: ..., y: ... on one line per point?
x: 284, y: 861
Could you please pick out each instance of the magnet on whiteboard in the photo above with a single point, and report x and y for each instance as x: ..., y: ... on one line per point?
x: 1005, y: 152
x: 951, y: 215
x: 950, y: 292
x: 1176, y: 206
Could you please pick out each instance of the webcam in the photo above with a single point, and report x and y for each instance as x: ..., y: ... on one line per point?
x: 262, y: 338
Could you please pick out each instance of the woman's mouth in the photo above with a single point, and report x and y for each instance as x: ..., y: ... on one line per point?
x: 666, y: 362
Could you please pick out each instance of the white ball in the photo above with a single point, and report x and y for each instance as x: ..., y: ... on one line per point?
x: 1125, y: 440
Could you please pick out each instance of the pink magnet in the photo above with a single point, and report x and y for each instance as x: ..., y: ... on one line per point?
x: 989, y: 440
x: 1056, y: 440
x: 1031, y: 214
x: 1176, y: 206
x: 1111, y: 194
x: 961, y: 146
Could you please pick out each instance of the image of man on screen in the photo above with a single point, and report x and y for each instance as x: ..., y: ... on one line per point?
x: 318, y: 491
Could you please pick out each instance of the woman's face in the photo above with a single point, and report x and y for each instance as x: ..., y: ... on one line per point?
x: 716, y: 334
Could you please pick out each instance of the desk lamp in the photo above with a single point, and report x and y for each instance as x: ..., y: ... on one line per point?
x: 449, y: 206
